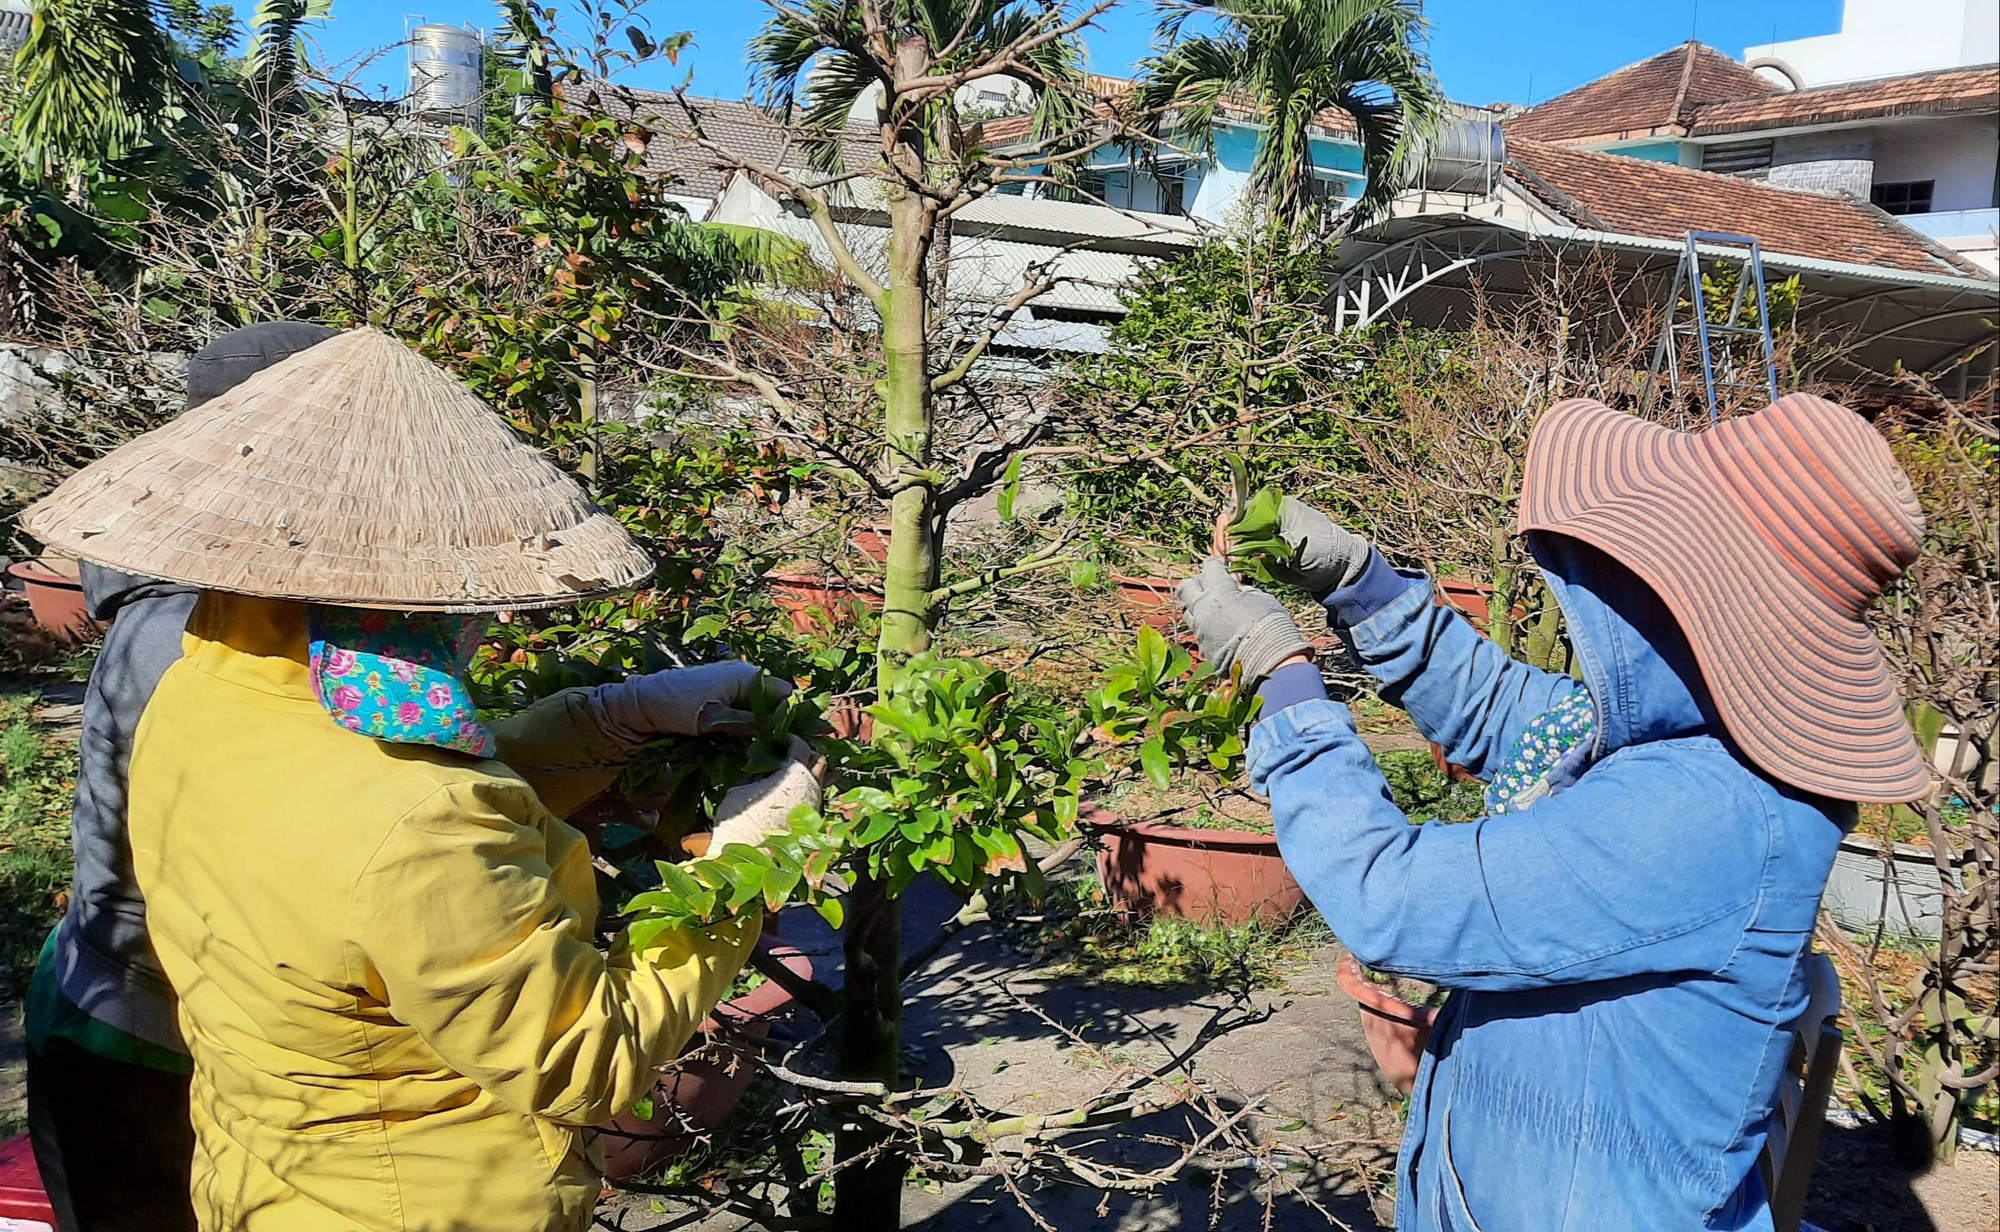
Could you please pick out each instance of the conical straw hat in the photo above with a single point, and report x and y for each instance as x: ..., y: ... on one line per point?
x: 354, y: 473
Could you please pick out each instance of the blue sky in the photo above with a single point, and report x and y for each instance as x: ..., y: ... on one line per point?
x: 1483, y: 50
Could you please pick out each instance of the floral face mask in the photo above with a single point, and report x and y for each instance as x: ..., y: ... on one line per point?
x: 398, y: 677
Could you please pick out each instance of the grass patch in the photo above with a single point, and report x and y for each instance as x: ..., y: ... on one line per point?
x: 37, y: 788
x: 1081, y: 934
x: 1426, y: 793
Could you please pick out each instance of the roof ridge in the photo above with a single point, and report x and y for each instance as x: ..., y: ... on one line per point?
x: 1598, y: 80
x: 1687, y: 75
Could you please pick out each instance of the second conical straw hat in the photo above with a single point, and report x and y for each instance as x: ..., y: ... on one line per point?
x: 354, y: 473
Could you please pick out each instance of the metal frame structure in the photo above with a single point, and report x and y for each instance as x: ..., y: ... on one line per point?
x: 1687, y: 273
x: 1428, y: 267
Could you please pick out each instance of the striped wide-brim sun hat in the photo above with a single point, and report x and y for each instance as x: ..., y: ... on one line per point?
x: 355, y: 473
x: 1767, y: 536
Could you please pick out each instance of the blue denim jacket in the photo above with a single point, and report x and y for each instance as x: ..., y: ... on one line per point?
x: 1623, y: 955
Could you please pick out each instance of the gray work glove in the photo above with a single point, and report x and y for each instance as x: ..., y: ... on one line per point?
x: 1330, y: 556
x: 754, y: 811
x: 1238, y: 625
x: 682, y: 701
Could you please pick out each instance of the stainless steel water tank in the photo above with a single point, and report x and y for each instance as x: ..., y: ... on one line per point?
x: 1466, y: 155
x: 444, y: 68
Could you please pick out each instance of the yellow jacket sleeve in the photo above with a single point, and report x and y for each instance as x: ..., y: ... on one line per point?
x: 557, y: 747
x: 468, y: 940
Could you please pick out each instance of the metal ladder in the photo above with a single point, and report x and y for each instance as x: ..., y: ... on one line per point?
x: 1749, y: 260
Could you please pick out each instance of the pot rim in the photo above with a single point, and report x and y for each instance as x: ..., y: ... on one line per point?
x: 769, y: 998
x: 1179, y: 836
x: 1374, y: 999
x: 807, y: 581
x: 38, y: 571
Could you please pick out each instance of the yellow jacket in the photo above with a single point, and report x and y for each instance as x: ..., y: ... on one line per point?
x: 382, y: 951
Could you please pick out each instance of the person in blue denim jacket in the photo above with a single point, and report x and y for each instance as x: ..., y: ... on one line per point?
x: 1622, y: 936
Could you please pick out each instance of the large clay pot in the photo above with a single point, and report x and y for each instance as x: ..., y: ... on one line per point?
x: 871, y: 539
x: 1396, y: 1030
x: 1151, y: 599
x: 697, y: 1093
x: 55, y: 596
x: 1475, y: 599
x: 811, y: 601
x: 1214, y: 876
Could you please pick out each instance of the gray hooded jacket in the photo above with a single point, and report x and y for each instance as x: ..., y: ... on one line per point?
x: 105, y: 964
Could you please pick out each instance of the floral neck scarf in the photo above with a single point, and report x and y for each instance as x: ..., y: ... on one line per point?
x: 397, y: 677
x: 1552, y: 751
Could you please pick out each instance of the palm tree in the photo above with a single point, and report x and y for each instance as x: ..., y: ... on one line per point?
x: 1291, y: 60
x: 92, y: 74
x: 96, y: 76
x: 815, y: 56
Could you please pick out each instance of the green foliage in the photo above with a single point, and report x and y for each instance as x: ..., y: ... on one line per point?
x: 1255, y: 546
x: 1426, y: 793
x: 1223, y: 334
x: 599, y: 254
x: 37, y: 788
x: 1179, y: 714
x: 961, y: 769
x: 94, y: 75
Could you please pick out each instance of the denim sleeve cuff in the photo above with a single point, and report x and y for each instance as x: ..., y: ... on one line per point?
x: 1378, y: 586
x: 1289, y: 685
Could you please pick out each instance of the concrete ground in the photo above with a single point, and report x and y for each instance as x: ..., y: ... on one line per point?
x: 971, y: 1019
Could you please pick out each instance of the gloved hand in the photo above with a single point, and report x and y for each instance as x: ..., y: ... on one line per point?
x: 1238, y: 624
x: 757, y: 809
x: 682, y: 701
x: 1330, y: 556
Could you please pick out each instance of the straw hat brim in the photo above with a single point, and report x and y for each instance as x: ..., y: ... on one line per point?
x: 354, y: 473
x: 1797, y: 676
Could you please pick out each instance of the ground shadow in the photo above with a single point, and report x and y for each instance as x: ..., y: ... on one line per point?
x: 1857, y: 1186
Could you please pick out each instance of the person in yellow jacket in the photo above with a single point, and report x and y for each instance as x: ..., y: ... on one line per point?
x: 377, y: 922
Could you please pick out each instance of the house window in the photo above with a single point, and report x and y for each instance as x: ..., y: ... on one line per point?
x: 1905, y: 197
x: 1328, y: 191
x: 1173, y: 189
x: 1737, y: 157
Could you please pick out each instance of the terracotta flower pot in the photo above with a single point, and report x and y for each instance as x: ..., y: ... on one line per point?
x: 1470, y: 597
x: 1396, y: 1030
x: 1151, y: 599
x: 55, y: 596
x: 811, y: 601
x: 871, y: 539
x: 697, y: 1093
x: 850, y: 720
x: 1214, y: 876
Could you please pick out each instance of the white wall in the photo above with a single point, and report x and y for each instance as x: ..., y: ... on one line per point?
x: 1882, y: 38
x: 1957, y: 153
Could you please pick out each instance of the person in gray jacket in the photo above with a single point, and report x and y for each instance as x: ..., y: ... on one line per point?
x: 107, y: 1072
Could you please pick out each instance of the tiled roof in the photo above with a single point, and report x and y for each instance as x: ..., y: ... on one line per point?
x: 1940, y: 92
x: 1610, y: 192
x: 998, y: 134
x: 1658, y: 92
x: 743, y: 128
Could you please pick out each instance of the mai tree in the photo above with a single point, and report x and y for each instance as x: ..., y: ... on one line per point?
x: 886, y: 375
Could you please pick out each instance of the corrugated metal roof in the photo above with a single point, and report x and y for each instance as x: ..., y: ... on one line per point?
x: 988, y: 270
x: 1079, y: 218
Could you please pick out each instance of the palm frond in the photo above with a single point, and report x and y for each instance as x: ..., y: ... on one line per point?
x: 93, y: 76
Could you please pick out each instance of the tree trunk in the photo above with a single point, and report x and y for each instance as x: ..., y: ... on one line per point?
x: 870, y: 1194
